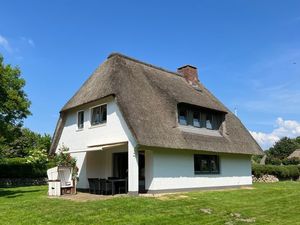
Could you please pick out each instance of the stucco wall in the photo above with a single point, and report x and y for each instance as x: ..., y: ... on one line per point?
x: 174, y: 169
x: 114, y: 130
x: 97, y: 164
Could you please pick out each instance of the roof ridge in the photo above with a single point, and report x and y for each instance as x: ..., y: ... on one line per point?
x: 113, y: 54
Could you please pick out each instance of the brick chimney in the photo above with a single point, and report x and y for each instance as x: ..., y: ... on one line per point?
x: 190, y: 73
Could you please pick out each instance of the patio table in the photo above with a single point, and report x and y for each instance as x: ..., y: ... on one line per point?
x: 114, y: 181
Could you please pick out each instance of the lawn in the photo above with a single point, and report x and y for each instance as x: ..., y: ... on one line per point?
x: 277, y: 203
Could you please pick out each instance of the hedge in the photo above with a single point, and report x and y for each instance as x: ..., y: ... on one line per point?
x: 281, y: 172
x: 19, y: 168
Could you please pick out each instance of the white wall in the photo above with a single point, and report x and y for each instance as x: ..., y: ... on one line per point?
x: 114, y: 130
x: 174, y: 169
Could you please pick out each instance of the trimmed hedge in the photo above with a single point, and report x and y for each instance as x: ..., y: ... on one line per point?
x: 281, y: 172
x: 19, y: 168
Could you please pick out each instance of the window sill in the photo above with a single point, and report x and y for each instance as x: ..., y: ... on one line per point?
x: 204, y: 173
x: 98, y: 125
x: 198, y: 130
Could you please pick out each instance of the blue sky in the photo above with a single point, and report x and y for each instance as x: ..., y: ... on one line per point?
x: 247, y: 52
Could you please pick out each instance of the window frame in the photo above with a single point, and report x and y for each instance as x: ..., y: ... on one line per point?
x: 203, y: 115
x: 80, y: 128
x: 197, y: 158
x: 101, y: 123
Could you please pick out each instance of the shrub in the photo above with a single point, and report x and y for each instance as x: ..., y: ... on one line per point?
x: 291, y: 161
x: 21, y: 168
x: 281, y: 172
x: 273, y: 161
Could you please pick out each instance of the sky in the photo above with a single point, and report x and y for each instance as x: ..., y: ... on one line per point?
x: 247, y: 52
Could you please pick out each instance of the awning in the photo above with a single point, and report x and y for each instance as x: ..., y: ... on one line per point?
x: 100, y: 147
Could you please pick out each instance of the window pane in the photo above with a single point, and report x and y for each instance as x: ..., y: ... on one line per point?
x: 80, y: 120
x: 204, y: 165
x: 99, y: 115
x: 208, y: 121
x: 95, y: 115
x: 183, y: 116
x: 196, y: 119
x: 214, y: 164
x: 103, y: 113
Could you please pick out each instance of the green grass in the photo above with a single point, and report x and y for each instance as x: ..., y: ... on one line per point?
x: 277, y: 203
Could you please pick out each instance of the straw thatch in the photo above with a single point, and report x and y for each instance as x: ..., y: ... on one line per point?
x: 148, y: 96
x: 295, y: 154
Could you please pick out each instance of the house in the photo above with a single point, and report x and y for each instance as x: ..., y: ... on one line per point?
x: 295, y: 154
x: 163, y: 130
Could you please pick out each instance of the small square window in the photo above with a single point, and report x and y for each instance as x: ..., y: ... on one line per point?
x: 99, y: 115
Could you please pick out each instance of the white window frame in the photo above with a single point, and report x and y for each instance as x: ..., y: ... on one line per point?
x: 77, y: 122
x: 91, y: 115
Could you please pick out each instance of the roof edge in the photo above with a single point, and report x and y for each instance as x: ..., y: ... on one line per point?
x: 114, y: 54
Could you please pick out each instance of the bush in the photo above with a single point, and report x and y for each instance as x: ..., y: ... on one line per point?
x: 281, y: 172
x: 21, y: 168
x: 273, y: 161
x: 291, y: 161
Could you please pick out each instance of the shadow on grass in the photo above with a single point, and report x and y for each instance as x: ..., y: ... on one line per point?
x: 14, y: 193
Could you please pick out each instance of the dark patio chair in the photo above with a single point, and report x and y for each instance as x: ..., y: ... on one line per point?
x: 105, y: 187
x: 93, y: 185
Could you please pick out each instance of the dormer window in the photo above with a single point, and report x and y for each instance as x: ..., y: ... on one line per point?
x: 195, y: 116
x: 99, y: 115
x: 183, y: 116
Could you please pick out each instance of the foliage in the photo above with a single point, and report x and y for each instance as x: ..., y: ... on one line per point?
x: 28, y: 143
x: 284, y: 147
x: 64, y: 158
x: 37, y: 156
x: 291, y: 161
x: 281, y: 172
x: 273, y: 161
x: 14, y: 104
x: 275, y: 203
x: 21, y: 168
x: 256, y: 158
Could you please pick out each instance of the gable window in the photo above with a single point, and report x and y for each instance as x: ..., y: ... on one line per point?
x: 199, y: 117
x: 99, y: 115
x: 80, y: 119
x: 206, y: 164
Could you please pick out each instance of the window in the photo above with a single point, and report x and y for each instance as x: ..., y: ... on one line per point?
x: 196, y: 116
x: 196, y: 119
x: 206, y: 164
x: 99, y: 115
x: 183, y: 116
x: 80, y: 119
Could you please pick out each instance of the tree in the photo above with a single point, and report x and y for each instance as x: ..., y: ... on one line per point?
x: 284, y: 147
x: 14, y: 104
x: 29, y: 143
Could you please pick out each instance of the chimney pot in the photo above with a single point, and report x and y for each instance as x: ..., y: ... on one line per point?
x: 190, y: 73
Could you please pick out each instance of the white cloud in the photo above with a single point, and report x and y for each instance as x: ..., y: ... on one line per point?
x: 283, y: 128
x: 5, y: 44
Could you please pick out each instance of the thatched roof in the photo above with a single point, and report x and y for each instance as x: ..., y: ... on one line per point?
x: 148, y: 96
x: 295, y: 154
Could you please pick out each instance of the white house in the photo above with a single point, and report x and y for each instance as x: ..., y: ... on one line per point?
x: 162, y: 130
